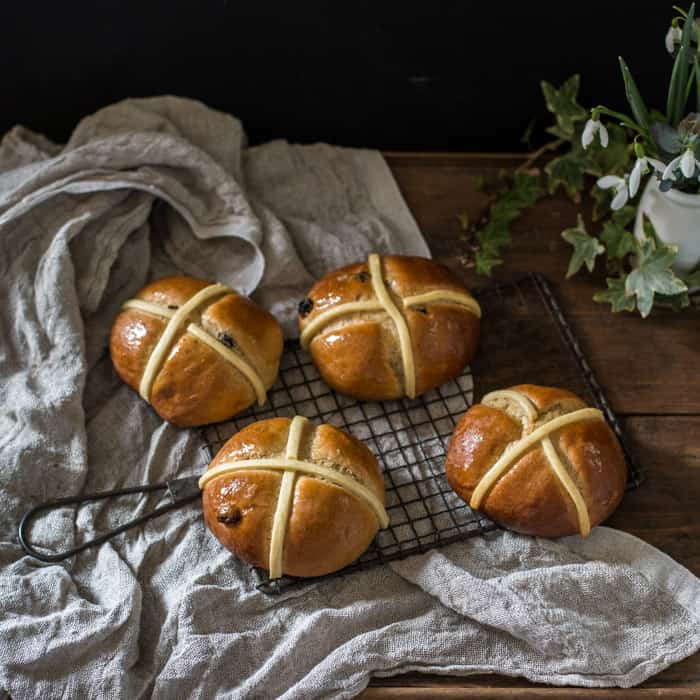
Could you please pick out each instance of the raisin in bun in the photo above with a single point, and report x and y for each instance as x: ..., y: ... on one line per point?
x: 537, y: 460
x: 390, y: 327
x: 198, y: 352
x: 294, y: 498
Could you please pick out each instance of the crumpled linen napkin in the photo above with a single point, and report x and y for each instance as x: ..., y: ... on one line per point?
x: 164, y: 185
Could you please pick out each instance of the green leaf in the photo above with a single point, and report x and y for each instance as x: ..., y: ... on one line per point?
x: 666, y: 138
x: 601, y: 202
x: 561, y: 134
x: 524, y: 191
x: 563, y: 105
x: 653, y: 275
x: 692, y: 279
x: 639, y: 109
x: 618, y: 241
x: 615, y: 159
x: 677, y: 302
x: 527, y: 189
x: 697, y: 84
x: 486, y: 260
x: 494, y: 234
x: 615, y: 295
x: 586, y: 248
x: 566, y: 171
x: 624, y: 216
x: 675, y: 103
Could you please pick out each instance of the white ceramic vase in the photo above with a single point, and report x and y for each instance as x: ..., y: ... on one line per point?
x: 676, y: 218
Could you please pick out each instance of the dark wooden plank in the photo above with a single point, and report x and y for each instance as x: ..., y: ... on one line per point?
x: 478, y: 690
x: 645, y: 366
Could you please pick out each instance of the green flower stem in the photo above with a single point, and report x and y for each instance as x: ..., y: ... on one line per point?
x: 624, y: 119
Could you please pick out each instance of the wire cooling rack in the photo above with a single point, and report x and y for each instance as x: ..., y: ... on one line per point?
x: 524, y: 339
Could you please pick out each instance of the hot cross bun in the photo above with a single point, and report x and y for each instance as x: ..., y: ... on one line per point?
x: 390, y: 327
x: 294, y: 498
x: 198, y: 352
x: 537, y: 460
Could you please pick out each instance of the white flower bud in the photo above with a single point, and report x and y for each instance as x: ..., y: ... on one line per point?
x: 673, y: 37
x: 688, y: 163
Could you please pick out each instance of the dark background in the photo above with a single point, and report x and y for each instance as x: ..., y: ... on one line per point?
x: 424, y: 76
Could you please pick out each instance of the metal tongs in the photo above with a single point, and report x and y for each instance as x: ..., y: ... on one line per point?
x: 180, y: 491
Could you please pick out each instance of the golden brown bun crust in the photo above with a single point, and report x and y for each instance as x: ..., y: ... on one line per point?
x: 195, y: 384
x: 529, y: 498
x: 359, y: 354
x: 328, y: 527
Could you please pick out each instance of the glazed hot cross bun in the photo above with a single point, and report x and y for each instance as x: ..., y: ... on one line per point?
x: 293, y: 498
x: 198, y: 352
x: 537, y: 460
x: 390, y: 327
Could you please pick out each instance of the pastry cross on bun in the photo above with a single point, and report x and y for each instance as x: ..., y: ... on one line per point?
x: 294, y: 499
x: 393, y: 326
x: 198, y: 352
x: 537, y: 460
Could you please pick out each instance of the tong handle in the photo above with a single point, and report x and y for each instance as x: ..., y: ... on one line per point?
x: 173, y: 487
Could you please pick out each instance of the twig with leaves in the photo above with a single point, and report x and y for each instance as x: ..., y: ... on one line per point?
x: 619, y: 154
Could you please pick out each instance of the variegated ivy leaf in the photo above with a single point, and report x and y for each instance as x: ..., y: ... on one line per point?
x: 615, y: 295
x: 653, y: 275
x: 615, y: 159
x: 619, y: 242
x: 563, y: 105
x: 567, y: 172
x: 586, y: 248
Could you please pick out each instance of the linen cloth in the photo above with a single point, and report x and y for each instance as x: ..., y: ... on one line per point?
x: 156, y: 186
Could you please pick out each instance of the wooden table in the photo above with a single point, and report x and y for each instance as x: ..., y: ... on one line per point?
x: 648, y: 369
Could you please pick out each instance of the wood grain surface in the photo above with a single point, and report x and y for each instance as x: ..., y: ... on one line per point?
x: 647, y: 368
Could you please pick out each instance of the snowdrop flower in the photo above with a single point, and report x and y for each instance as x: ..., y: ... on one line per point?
x: 620, y: 185
x: 673, y: 37
x: 642, y: 166
x: 593, y: 127
x: 687, y: 162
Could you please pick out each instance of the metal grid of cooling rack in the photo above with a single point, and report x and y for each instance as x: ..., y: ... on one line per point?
x: 525, y: 338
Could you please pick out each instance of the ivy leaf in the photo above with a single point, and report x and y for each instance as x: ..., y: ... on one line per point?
x: 586, y: 248
x: 563, y: 105
x: 614, y: 159
x: 601, y: 202
x: 486, y: 259
x: 653, y: 274
x: 567, y: 172
x: 618, y: 241
x: 624, y: 216
x: 615, y: 295
x: 677, y: 302
x: 495, y: 234
x: 525, y: 190
x: 692, y: 279
x: 560, y: 133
